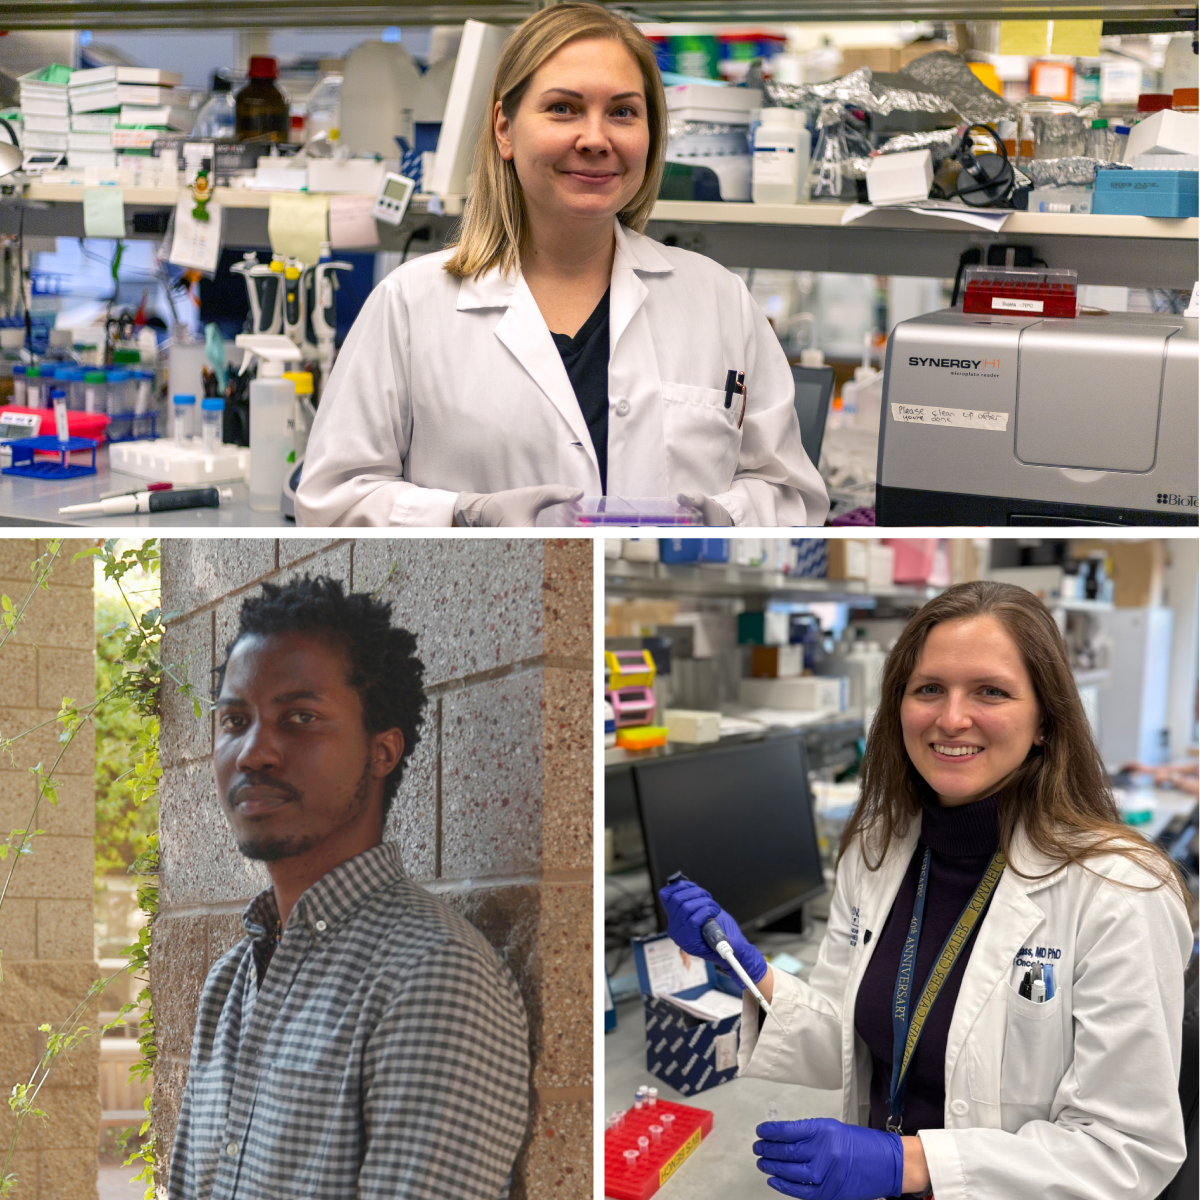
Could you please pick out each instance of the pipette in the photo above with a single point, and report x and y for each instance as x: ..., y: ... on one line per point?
x: 151, y: 502
x: 714, y: 936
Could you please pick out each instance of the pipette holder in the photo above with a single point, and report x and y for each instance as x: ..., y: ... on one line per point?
x: 632, y: 705
x: 660, y: 1160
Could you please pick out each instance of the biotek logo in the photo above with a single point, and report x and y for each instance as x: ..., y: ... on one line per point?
x: 1175, y: 500
x: 957, y: 364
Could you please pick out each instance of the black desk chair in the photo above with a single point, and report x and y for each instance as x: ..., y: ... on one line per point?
x: 1186, y: 1185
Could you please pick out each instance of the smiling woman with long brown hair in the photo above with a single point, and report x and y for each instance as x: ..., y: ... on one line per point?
x: 999, y: 993
x: 556, y: 352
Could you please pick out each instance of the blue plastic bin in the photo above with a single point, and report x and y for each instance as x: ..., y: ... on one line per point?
x: 1147, y: 193
x: 690, y: 550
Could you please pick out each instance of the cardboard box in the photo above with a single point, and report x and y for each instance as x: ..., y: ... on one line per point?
x: 812, y: 558
x: 847, y: 559
x: 1164, y: 132
x: 638, y: 618
x: 776, y: 662
x: 692, y: 726
x: 900, y: 178
x: 881, y: 565
x: 878, y: 58
x: 640, y: 549
x: 808, y: 693
x: 1138, y: 570
x: 682, y: 1050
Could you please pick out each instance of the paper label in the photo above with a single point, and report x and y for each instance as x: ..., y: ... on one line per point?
x: 725, y: 1047
x: 1012, y: 304
x: 959, y: 418
x: 775, y: 164
x: 196, y: 244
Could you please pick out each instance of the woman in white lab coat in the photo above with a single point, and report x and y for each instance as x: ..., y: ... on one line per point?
x: 556, y: 352
x: 1048, y: 1063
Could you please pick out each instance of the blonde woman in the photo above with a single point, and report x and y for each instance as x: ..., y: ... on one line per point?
x: 999, y: 994
x: 556, y: 352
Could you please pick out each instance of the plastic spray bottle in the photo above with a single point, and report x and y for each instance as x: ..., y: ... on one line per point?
x: 272, y: 411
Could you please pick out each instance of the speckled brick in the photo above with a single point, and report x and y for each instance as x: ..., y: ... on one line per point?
x: 170, y: 1077
x: 20, y: 1048
x: 334, y: 562
x: 187, y: 650
x: 61, y: 618
x: 197, y: 571
x: 474, y: 603
x: 18, y: 930
x: 567, y: 775
x: 557, y: 1162
x: 564, y: 1054
x: 73, y: 816
x: 65, y: 673
x: 19, y: 665
x: 66, y: 929
x: 42, y: 745
x: 199, y: 858
x: 69, y: 572
x: 567, y: 597
x: 225, y: 930
x: 293, y: 549
x: 178, y: 967
x: 412, y: 821
x: 79, y: 1066
x: 54, y: 869
x: 51, y: 990
x: 492, y: 777
x: 73, y: 1117
x: 15, y: 556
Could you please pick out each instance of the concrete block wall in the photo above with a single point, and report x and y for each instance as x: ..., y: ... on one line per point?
x: 494, y: 814
x: 46, y: 919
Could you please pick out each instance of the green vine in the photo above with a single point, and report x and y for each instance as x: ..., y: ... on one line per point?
x: 136, y: 690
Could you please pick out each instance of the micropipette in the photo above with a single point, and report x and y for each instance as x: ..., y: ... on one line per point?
x: 156, y: 501
x: 714, y: 936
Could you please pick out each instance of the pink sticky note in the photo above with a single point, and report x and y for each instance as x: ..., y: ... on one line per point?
x: 351, y: 224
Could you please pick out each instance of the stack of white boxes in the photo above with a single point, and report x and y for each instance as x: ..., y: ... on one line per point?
x: 122, y: 109
x: 44, y: 110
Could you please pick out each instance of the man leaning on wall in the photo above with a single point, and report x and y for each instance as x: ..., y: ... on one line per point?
x: 362, y: 1039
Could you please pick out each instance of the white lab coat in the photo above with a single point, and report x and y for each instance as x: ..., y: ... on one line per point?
x: 1073, y: 1099
x: 445, y: 386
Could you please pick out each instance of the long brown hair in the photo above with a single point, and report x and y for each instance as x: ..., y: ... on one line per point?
x: 495, y: 226
x: 1060, y: 795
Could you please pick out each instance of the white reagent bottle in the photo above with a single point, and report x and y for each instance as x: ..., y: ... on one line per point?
x: 272, y: 408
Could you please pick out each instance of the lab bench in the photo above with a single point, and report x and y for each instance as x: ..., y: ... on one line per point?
x: 35, y: 502
x: 1116, y: 250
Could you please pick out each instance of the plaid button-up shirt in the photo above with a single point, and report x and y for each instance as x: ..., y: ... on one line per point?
x: 382, y: 1053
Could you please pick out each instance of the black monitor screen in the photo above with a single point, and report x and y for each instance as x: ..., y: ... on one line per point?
x: 739, y: 822
x: 620, y: 802
x: 814, y: 387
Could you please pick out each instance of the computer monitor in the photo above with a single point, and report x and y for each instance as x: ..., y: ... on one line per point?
x: 814, y: 387
x: 737, y: 820
x: 620, y: 800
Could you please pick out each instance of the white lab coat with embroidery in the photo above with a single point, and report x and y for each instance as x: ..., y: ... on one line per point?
x: 1073, y: 1099
x: 445, y: 386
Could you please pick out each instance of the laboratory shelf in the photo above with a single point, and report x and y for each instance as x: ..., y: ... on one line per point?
x: 720, y: 579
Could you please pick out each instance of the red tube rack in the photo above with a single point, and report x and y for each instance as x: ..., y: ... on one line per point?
x: 660, y: 1160
x: 1045, y: 293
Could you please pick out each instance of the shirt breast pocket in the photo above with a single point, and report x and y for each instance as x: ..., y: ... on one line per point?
x: 303, y: 1136
x: 702, y: 438
x: 1032, y: 1065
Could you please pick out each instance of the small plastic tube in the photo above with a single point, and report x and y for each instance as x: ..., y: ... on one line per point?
x: 184, y: 407
x: 638, y: 1102
x: 643, y: 1143
x: 656, y: 1132
x: 772, y: 1111
x: 212, y: 415
x: 618, y: 1119
x: 631, y: 1156
x: 652, y: 1096
x: 58, y: 399
x: 668, y: 1120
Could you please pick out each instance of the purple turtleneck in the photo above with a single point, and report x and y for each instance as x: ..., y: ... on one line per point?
x: 962, y: 841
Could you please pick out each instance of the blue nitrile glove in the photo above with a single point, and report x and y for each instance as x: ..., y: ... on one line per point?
x: 824, y: 1159
x: 688, y: 906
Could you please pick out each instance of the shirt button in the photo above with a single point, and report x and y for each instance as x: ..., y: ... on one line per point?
x: 321, y: 926
x: 959, y: 1107
x: 622, y: 408
x: 232, y: 1149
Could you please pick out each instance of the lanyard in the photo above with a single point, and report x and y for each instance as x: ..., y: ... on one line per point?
x: 906, y: 1029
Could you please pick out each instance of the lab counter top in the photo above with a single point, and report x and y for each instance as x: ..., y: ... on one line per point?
x: 35, y: 502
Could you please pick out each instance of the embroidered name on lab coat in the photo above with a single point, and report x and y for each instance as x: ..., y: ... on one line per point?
x: 1028, y: 955
x: 853, y: 926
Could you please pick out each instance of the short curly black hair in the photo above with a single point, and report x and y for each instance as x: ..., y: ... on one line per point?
x: 384, y: 668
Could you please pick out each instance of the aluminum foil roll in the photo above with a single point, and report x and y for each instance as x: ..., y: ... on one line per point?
x: 1061, y: 172
x: 948, y: 76
x: 857, y: 90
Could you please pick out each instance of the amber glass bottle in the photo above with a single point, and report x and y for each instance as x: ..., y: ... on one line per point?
x: 262, y: 112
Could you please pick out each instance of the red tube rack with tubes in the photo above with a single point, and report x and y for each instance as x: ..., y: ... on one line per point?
x: 681, y: 1130
x: 1046, y: 292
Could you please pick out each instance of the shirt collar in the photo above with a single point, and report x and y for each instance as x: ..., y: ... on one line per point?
x: 961, y: 830
x: 494, y: 289
x: 333, y: 898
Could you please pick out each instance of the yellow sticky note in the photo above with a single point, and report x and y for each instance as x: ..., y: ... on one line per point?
x: 1081, y: 38
x: 297, y: 224
x: 103, y: 212
x: 1024, y: 37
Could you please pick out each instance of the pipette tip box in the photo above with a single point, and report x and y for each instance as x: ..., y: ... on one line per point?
x: 660, y: 1160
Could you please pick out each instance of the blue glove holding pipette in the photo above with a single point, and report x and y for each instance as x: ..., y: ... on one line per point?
x: 689, y: 908
x: 824, y: 1159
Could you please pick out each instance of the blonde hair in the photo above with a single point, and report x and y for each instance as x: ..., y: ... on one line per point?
x: 495, y: 227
